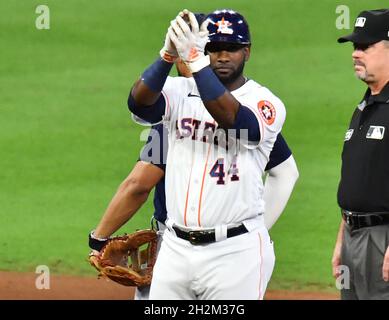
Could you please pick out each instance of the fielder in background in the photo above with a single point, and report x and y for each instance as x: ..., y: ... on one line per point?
x: 362, y: 246
x: 222, y: 127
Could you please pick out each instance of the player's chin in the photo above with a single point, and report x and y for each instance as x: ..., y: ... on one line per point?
x: 224, y: 75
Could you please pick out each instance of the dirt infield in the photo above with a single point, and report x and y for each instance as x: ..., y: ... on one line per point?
x: 21, y: 286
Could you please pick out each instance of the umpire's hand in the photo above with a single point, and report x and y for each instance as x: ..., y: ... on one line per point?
x: 385, y: 266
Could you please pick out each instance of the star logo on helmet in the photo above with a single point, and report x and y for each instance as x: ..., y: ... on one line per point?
x: 223, y: 26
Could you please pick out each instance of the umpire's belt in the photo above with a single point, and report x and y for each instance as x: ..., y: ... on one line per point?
x: 358, y: 220
x: 196, y: 237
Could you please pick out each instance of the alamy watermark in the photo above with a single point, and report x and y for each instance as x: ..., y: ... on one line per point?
x: 42, y: 281
x: 42, y: 22
x: 343, y: 280
x: 343, y: 19
x: 211, y: 142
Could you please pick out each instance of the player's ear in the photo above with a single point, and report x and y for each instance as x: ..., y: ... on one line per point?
x: 246, y: 51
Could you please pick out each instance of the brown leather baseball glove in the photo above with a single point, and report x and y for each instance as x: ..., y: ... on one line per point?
x: 113, y: 259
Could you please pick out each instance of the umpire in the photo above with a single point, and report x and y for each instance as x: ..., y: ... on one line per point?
x: 363, y: 195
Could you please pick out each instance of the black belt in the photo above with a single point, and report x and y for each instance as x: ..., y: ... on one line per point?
x: 357, y: 220
x: 206, y: 236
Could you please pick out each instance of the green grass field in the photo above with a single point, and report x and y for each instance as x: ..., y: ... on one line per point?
x: 67, y: 139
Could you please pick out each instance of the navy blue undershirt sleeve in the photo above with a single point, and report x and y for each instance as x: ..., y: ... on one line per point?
x: 279, y: 154
x: 160, y: 212
x: 246, y: 120
x: 151, y: 114
x: 155, y: 152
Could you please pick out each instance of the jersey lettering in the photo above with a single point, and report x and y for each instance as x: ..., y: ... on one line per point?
x: 217, y: 171
x: 188, y: 127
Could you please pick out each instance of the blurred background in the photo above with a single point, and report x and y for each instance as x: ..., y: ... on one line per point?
x: 67, y: 139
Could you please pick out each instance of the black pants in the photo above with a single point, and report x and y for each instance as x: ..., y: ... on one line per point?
x: 363, y: 253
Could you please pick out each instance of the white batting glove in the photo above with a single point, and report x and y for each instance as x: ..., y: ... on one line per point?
x: 190, y: 44
x: 169, y: 52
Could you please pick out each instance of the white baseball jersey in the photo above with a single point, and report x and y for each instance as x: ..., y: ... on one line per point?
x: 206, y: 184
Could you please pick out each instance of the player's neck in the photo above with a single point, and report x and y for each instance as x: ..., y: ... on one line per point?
x: 237, y: 83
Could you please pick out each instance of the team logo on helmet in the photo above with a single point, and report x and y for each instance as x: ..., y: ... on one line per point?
x: 228, y: 26
x: 223, y: 26
x: 267, y: 111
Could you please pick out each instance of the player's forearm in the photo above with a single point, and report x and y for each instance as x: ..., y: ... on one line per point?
x: 126, y: 202
x: 147, y: 89
x: 224, y: 108
x: 219, y: 102
x: 278, y: 188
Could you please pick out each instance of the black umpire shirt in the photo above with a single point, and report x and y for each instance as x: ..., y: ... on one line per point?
x: 364, y: 184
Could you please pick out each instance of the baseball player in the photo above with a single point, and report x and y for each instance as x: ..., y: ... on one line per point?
x: 149, y: 172
x: 222, y: 127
